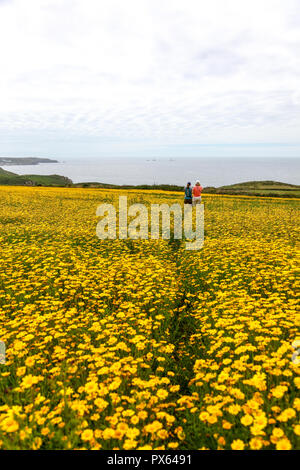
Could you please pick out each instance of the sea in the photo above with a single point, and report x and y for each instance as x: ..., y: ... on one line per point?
x: 210, y: 171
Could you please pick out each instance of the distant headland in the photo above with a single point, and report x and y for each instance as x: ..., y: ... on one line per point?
x: 25, y: 160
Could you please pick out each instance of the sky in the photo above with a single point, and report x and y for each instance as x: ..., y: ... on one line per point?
x: 173, y: 78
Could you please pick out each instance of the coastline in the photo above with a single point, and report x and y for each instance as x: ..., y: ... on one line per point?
x: 212, y: 172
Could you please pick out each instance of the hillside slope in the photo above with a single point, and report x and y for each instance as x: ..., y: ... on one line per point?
x: 258, y: 188
x: 9, y: 178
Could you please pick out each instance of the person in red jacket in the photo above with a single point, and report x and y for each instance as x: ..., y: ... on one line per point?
x: 197, y: 191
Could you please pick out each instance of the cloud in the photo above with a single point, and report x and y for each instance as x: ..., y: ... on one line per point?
x: 142, y: 71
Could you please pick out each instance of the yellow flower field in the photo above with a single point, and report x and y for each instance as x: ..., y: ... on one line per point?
x: 140, y: 344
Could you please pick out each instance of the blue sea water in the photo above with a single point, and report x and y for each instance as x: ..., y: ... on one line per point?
x: 209, y: 171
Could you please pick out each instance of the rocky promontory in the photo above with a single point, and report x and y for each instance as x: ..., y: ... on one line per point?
x: 25, y: 160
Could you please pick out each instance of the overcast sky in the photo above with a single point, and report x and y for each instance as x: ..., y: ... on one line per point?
x: 149, y: 77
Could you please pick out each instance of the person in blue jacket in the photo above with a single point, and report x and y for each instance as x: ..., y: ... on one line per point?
x: 188, y: 197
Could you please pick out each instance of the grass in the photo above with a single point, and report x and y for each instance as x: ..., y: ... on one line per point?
x: 259, y: 188
x: 10, y: 178
x: 49, y: 180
